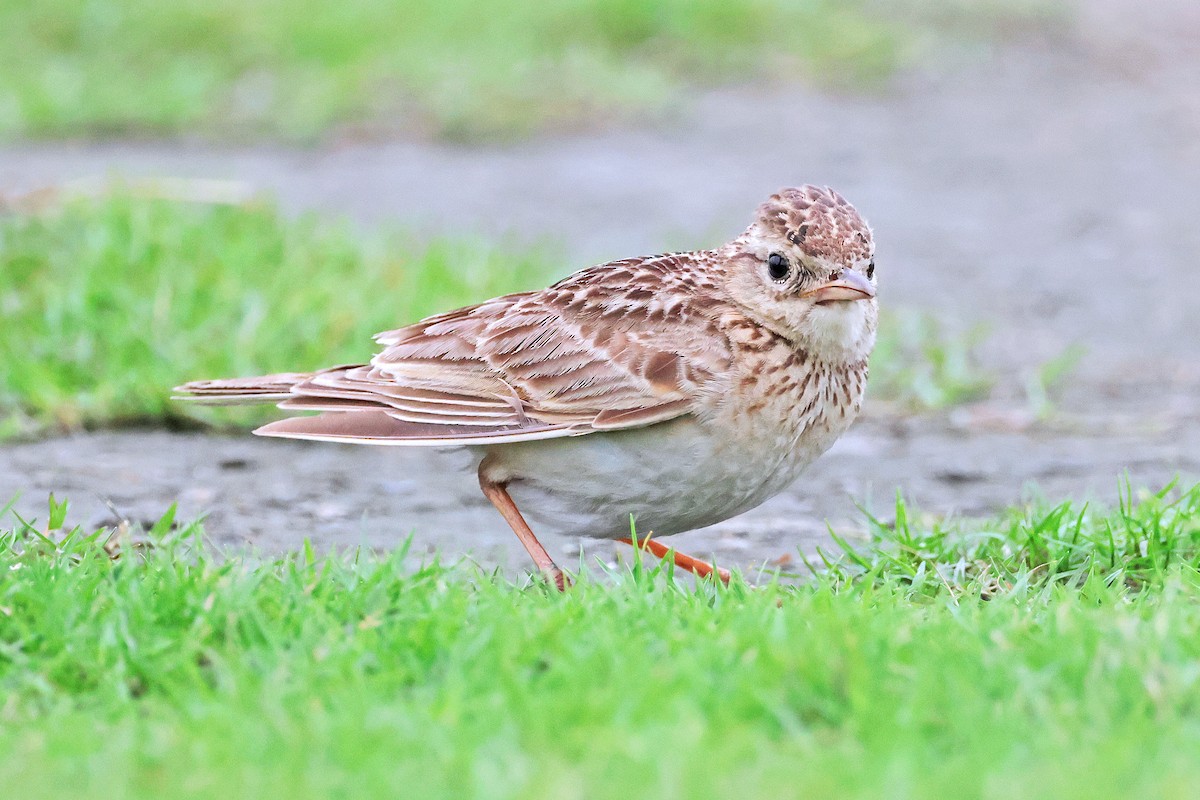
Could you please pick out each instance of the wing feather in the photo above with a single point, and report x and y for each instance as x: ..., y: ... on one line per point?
x: 621, y: 345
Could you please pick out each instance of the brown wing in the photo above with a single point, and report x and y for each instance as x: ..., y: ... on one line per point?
x: 621, y: 345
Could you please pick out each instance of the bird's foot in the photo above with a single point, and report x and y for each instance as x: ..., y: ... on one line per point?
x: 558, y: 578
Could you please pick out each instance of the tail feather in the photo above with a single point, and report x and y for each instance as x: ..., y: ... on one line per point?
x: 241, y: 391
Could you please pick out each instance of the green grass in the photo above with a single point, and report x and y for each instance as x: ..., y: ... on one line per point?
x: 459, y: 68
x: 920, y: 365
x: 107, y: 304
x: 1052, y: 653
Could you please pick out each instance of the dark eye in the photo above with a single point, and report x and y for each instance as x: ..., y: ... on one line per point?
x: 871, y: 269
x: 778, y: 267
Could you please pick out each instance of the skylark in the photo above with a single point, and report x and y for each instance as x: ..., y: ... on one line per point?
x: 681, y: 389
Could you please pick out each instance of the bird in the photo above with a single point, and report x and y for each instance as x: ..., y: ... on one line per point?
x: 674, y: 391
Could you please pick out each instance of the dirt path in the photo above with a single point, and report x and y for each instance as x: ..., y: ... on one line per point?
x: 1049, y: 190
x: 272, y: 494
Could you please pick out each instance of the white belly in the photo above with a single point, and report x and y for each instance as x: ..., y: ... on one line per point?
x: 671, y: 477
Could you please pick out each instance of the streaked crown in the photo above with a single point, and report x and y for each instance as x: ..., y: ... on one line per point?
x: 820, y: 222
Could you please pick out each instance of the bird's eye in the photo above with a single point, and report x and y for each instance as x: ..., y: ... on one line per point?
x: 871, y: 269
x: 778, y: 267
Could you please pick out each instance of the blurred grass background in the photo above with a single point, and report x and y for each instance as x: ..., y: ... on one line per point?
x: 464, y: 69
x: 109, y: 303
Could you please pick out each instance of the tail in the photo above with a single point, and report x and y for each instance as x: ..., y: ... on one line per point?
x: 241, y: 391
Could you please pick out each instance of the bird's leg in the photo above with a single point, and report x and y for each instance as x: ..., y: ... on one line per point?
x: 693, y: 565
x: 498, y: 494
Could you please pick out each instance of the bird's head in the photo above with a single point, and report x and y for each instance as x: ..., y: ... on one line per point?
x: 805, y: 269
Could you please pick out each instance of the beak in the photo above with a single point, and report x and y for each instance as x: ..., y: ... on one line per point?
x: 850, y: 285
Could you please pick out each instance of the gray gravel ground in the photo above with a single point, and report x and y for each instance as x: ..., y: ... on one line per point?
x: 1049, y: 189
x: 272, y: 494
